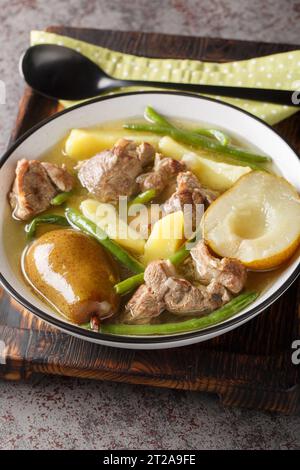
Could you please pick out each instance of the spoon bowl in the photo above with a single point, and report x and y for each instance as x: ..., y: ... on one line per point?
x: 60, y: 72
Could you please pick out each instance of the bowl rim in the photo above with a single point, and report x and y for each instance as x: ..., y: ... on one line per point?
x: 142, y: 340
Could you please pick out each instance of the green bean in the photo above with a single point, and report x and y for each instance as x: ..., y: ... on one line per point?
x: 54, y: 219
x: 77, y: 220
x: 156, y: 118
x: 219, y: 315
x: 180, y: 255
x: 160, y: 120
x: 218, y: 135
x: 230, y: 154
x: 129, y: 284
x: 143, y: 198
x: 60, y: 198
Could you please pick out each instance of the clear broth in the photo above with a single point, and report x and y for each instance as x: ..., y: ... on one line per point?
x: 14, y: 235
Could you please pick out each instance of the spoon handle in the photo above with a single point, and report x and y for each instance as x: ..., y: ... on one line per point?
x: 283, y: 97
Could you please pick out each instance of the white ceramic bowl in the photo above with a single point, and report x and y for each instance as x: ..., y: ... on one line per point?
x: 185, y: 106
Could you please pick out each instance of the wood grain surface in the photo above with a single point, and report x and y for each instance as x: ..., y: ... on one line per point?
x: 248, y: 367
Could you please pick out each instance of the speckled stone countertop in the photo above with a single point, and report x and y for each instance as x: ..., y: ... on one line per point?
x: 64, y: 413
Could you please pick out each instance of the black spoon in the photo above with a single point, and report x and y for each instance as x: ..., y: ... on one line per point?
x: 63, y: 73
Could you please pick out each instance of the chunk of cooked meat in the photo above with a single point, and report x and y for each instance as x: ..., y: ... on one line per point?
x: 59, y: 176
x: 189, y: 196
x: 181, y: 198
x: 156, y: 275
x: 31, y: 191
x: 113, y: 173
x: 182, y: 297
x: 165, y: 290
x: 229, y: 272
x: 146, y: 153
x: 164, y: 171
x: 188, y: 191
x: 34, y: 187
x: 218, y: 293
x: 143, y: 306
x: 187, y: 181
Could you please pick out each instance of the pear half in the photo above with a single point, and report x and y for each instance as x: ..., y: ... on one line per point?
x: 256, y: 221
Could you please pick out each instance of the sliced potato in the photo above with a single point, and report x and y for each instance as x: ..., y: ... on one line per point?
x: 165, y: 238
x: 215, y: 175
x: 84, y: 143
x: 106, y: 217
x: 257, y: 221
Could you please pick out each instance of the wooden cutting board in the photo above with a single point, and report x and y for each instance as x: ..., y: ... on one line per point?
x: 248, y: 367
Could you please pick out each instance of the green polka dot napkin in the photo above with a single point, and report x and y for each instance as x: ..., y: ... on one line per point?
x: 279, y: 71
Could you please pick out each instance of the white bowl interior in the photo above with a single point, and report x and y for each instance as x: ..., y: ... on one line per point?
x: 185, y: 107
